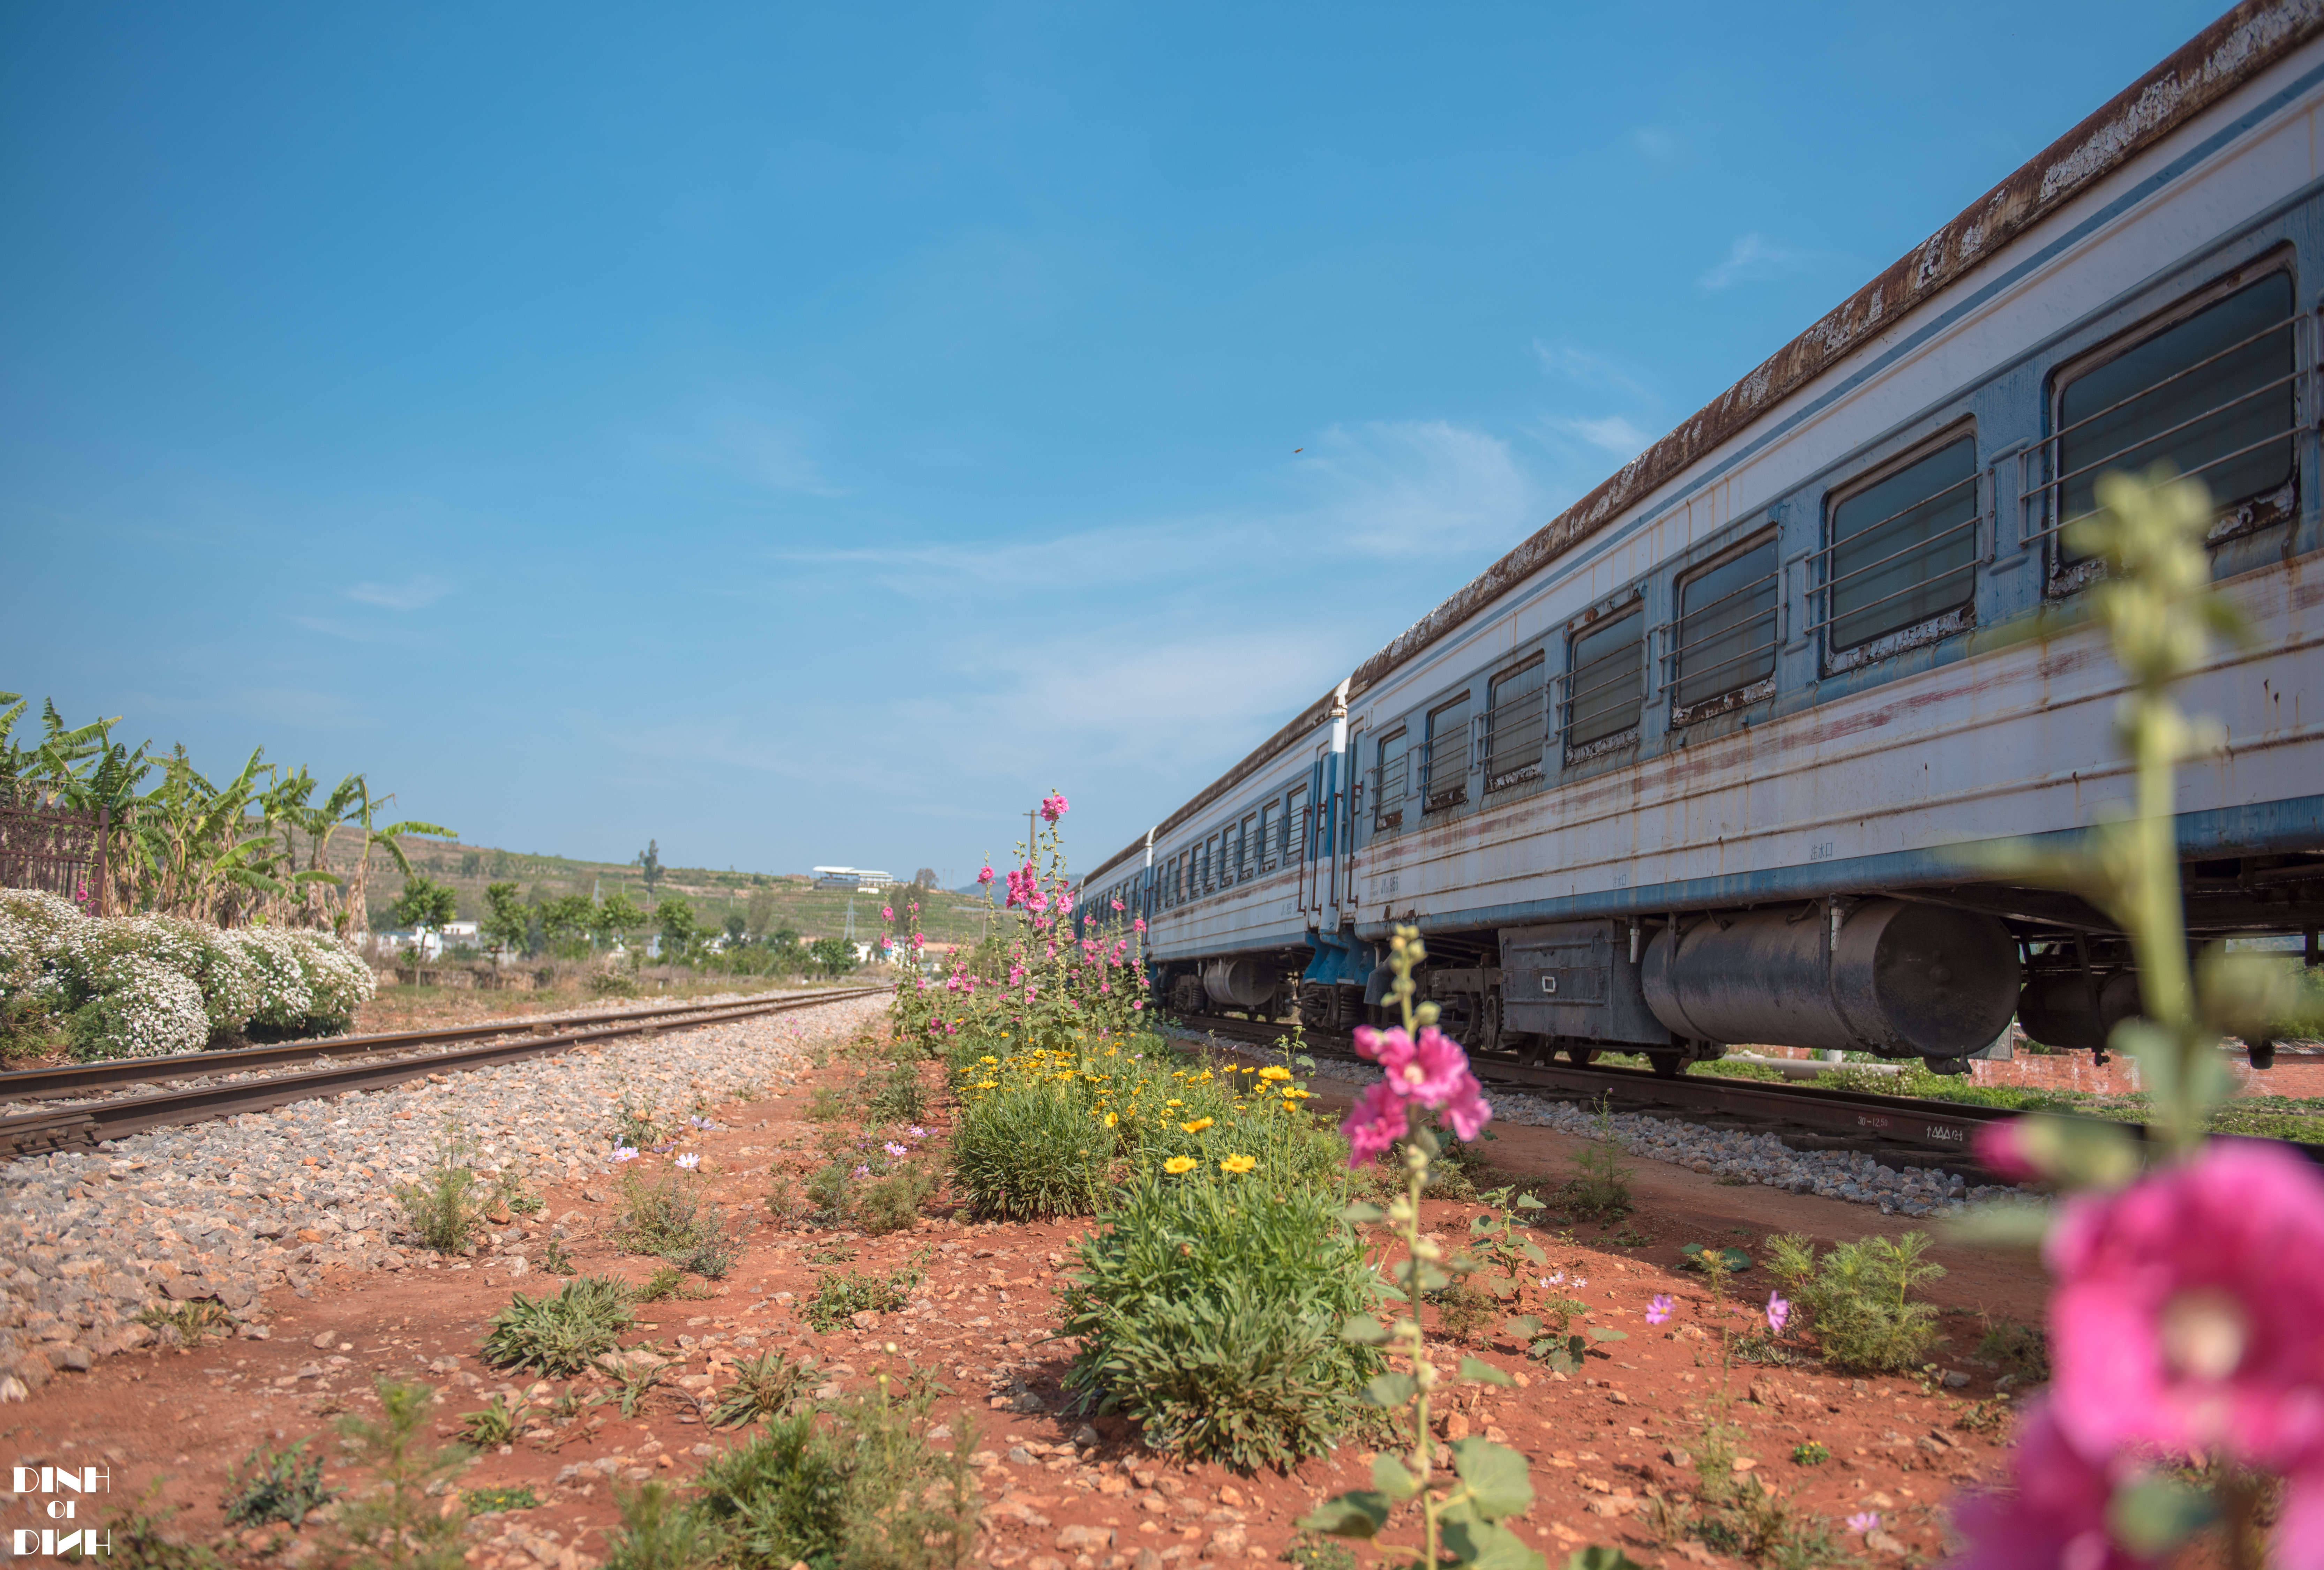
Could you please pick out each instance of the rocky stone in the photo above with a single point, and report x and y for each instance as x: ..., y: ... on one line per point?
x: 1085, y: 1539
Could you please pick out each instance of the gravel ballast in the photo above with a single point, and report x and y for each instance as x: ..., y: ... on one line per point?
x: 225, y: 1211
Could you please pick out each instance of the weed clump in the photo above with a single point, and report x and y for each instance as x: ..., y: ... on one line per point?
x: 276, y: 1485
x: 560, y: 1332
x: 444, y: 1208
x: 840, y: 1294
x: 1859, y: 1299
x: 659, y: 1533
x: 768, y: 1386
x: 397, y: 1525
x: 189, y: 1322
x: 1600, y: 1187
x: 665, y: 1216
x: 2022, y: 1351
x: 1028, y: 1152
x: 1209, y: 1309
x: 861, y: 1488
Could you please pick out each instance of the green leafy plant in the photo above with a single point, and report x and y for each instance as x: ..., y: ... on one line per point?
x: 444, y: 1208
x: 396, y: 1525
x: 140, y: 1538
x: 1310, y: 1552
x: 189, y: 1322
x: 496, y: 1424
x: 860, y: 1487
x: 560, y: 1332
x: 555, y: 1261
x: 769, y: 1385
x: 1560, y: 1348
x: 1711, y: 1264
x: 893, y: 1202
x: 659, y: 1532
x: 840, y: 1294
x: 1814, y: 1453
x: 667, y: 1215
x: 896, y: 1097
x: 1859, y: 1299
x: 1460, y: 1524
x: 1600, y: 1187
x: 1208, y: 1308
x: 276, y: 1485
x: 485, y: 1501
x: 2022, y: 1351
x: 668, y: 1281
x: 635, y: 1373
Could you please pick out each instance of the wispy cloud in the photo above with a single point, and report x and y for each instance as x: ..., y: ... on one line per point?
x: 1753, y: 258
x: 1657, y: 143
x: 1611, y: 434
x: 1392, y: 487
x: 412, y: 594
x: 1586, y: 369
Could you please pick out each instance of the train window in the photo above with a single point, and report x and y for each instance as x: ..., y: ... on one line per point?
x: 1445, y: 778
x: 1211, y: 865
x: 1390, y: 777
x: 1724, y: 652
x: 1268, y: 835
x: 1515, y: 725
x: 1250, y: 841
x: 1904, y: 549
x: 2213, y: 394
x: 1294, y: 826
x: 1605, y: 688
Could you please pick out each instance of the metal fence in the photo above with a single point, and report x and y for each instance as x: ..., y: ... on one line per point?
x: 53, y: 850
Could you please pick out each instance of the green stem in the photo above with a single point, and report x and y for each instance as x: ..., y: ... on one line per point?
x: 1415, y: 1163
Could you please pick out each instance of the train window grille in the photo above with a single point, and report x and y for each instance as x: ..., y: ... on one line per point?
x: 1517, y: 723
x: 1900, y: 564
x: 1604, y: 691
x: 1211, y: 865
x: 1390, y: 780
x: 1270, y: 852
x: 2215, y: 392
x: 1294, y: 826
x: 1720, y: 655
x: 1444, y: 767
x: 1249, y: 844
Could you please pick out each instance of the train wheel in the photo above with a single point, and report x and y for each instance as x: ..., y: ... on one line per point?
x: 1667, y: 1064
x: 1582, y: 1056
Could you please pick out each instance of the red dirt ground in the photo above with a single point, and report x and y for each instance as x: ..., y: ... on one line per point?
x: 178, y: 1420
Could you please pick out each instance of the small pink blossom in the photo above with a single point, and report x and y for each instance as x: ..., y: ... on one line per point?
x: 1137, y: 924
x: 1374, y: 1123
x: 2000, y: 1147
x: 985, y: 876
x: 1863, y: 1521
x: 1120, y: 906
x: 1053, y: 806
x: 1779, y: 1309
x: 886, y: 912
x: 1658, y: 1311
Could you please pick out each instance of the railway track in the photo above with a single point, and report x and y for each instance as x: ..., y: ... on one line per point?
x: 339, y: 1065
x: 1899, y: 1129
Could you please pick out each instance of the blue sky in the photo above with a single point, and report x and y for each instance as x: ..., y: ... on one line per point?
x: 806, y: 434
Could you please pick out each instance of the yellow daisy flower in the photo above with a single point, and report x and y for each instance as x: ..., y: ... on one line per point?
x: 1178, y: 1165
x: 1111, y: 1120
x: 1275, y: 1071
x: 1198, y: 1125
x: 1237, y: 1165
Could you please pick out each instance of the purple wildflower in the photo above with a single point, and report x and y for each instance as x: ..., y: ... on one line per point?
x: 1779, y: 1309
x: 1863, y: 1521
x: 1658, y: 1311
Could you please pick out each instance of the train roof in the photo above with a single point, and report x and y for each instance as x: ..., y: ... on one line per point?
x: 2238, y: 46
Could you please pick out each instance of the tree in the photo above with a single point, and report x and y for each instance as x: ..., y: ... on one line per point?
x: 737, y: 928
x: 649, y: 862
x: 617, y: 917
x: 760, y: 913
x: 568, y: 919
x: 926, y: 878
x: 506, y: 920
x: 832, y: 955
x: 675, y: 917
x: 423, y: 906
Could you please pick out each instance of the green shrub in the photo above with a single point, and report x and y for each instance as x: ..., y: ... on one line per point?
x: 1029, y: 1152
x: 560, y: 1332
x: 859, y: 1489
x: 396, y: 1526
x: 276, y: 1485
x: 494, y: 1426
x: 1600, y: 1187
x: 896, y: 1097
x: 1859, y: 1299
x: 446, y: 1207
x: 1209, y: 1309
x: 659, y: 1533
x: 769, y: 1385
x: 892, y: 1204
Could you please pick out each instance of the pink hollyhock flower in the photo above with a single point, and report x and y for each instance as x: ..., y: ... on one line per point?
x: 1053, y: 806
x: 1137, y: 924
x: 1374, y: 1123
x: 2000, y: 1148
x: 1658, y: 1311
x: 1391, y: 1048
x: 1439, y: 1069
x: 1139, y: 1006
x: 886, y: 912
x: 1120, y: 906
x: 985, y: 876
x: 1064, y: 903
x: 2185, y: 1315
x: 2055, y: 1515
x: 1467, y: 1111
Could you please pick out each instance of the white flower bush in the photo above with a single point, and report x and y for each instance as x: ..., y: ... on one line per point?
x: 141, y: 986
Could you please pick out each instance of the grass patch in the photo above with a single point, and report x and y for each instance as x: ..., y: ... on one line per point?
x: 276, y: 1485
x: 1030, y: 1151
x: 191, y: 1323
x: 561, y: 1333
x: 666, y: 1216
x: 446, y: 1207
x: 494, y: 1426
x: 768, y: 1386
x: 659, y: 1533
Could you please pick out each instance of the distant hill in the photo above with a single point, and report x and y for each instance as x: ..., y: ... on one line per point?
x: 946, y: 915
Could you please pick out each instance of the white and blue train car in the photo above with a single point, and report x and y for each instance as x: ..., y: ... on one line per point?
x: 1710, y: 758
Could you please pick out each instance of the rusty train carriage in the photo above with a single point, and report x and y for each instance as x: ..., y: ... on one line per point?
x: 1711, y: 757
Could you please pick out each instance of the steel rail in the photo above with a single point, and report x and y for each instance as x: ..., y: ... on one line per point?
x: 27, y: 1084
x: 1861, y: 1114
x: 90, y: 1122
